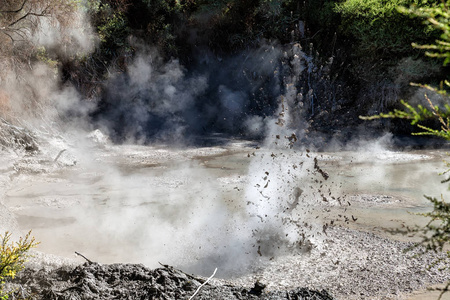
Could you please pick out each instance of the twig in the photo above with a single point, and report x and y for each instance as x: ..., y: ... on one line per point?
x: 59, y: 154
x: 444, y: 290
x: 198, y: 289
x: 88, y: 260
x: 14, y: 11
x: 179, y: 271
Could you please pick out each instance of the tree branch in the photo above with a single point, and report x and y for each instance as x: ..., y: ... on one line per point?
x: 12, y: 39
x: 14, y: 11
x: 42, y: 14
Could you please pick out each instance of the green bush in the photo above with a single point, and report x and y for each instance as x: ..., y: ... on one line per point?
x: 108, y: 17
x: 436, y: 16
x: 233, y: 25
x: 12, y: 258
x: 380, y: 28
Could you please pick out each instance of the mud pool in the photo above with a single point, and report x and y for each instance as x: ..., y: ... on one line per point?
x: 202, y: 208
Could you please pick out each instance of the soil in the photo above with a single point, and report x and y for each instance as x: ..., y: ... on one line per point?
x: 135, y: 281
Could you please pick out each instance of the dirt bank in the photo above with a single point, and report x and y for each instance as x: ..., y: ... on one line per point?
x: 126, y: 281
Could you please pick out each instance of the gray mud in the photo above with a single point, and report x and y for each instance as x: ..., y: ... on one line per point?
x: 352, y: 265
x: 135, y: 281
x: 63, y: 196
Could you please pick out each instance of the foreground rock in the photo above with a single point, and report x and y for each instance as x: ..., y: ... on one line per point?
x: 131, y: 281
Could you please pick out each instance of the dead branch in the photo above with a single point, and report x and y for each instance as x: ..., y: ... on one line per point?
x: 41, y: 14
x: 88, y: 260
x: 14, y: 11
x: 198, y: 289
x: 12, y: 39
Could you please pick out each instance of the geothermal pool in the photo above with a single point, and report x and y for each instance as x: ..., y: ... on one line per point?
x: 252, y: 212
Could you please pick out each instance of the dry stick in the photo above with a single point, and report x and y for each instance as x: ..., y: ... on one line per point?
x: 59, y: 154
x: 88, y: 260
x: 198, y: 289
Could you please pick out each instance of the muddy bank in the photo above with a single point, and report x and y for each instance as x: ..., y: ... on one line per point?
x: 133, y: 281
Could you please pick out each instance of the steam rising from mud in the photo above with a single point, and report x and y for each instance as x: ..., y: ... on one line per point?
x: 181, y: 212
x: 185, y: 214
x: 180, y: 215
x: 274, y: 216
x: 153, y: 99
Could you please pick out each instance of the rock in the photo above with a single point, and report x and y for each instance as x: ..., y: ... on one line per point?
x: 15, y: 137
x: 258, y: 288
x: 98, y: 137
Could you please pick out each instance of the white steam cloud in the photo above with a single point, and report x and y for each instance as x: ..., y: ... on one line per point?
x: 66, y: 35
x: 153, y: 98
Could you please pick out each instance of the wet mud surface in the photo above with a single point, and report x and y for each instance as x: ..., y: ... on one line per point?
x: 204, y: 208
x: 352, y: 265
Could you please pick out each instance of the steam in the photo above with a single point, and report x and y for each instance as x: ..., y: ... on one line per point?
x: 31, y: 91
x: 66, y: 37
x: 184, y: 215
x: 255, y: 126
x: 153, y: 99
x: 165, y: 101
x: 179, y: 215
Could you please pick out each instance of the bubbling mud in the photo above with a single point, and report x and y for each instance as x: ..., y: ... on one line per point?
x: 246, y: 210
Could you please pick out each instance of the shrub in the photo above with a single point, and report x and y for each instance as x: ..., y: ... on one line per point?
x: 380, y: 28
x: 437, y: 16
x: 13, y: 257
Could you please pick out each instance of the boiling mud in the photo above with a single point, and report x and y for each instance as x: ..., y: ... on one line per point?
x: 217, y: 206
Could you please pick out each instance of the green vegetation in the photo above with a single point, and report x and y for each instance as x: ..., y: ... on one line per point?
x: 436, y: 234
x: 439, y: 17
x: 239, y: 24
x: 420, y: 115
x: 436, y: 16
x: 380, y: 38
x: 366, y: 38
x: 171, y: 26
x: 379, y: 28
x: 12, y: 258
